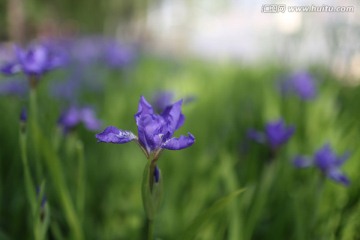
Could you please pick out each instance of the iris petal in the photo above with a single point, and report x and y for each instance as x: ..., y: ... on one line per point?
x: 173, y: 117
x: 179, y: 143
x: 336, y: 175
x: 113, y: 135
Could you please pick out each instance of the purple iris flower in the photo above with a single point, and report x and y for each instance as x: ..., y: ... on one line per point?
x: 74, y: 116
x: 327, y: 162
x: 155, y: 132
x: 276, y: 134
x: 34, y: 61
x: 300, y: 83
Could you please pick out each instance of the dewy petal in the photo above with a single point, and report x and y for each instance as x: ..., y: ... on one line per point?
x: 336, y: 175
x: 113, y: 135
x: 302, y: 162
x: 179, y: 143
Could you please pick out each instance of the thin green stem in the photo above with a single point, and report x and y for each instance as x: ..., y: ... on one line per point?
x: 54, y: 169
x: 33, y: 119
x: 80, y: 199
x: 150, y: 229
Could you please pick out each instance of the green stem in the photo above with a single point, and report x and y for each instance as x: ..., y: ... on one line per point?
x: 319, y: 189
x: 150, y: 229
x: 81, y: 179
x: 54, y: 169
x: 231, y: 183
x: 30, y: 189
x: 34, y: 134
x: 29, y: 185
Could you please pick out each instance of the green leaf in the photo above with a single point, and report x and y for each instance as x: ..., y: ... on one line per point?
x: 199, y: 221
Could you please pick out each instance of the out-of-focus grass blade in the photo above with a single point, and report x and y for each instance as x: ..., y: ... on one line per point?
x: 199, y: 221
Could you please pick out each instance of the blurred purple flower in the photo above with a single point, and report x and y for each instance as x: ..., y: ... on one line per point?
x: 74, y: 116
x: 276, y: 134
x: 163, y: 99
x: 117, y: 55
x: 300, y: 83
x: 327, y: 162
x: 86, y: 50
x: 13, y: 87
x: 34, y: 61
x: 155, y: 132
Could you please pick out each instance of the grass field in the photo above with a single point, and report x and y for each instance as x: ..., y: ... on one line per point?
x: 225, y: 186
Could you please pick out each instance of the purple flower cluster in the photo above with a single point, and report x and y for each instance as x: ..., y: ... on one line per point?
x: 276, y: 134
x: 155, y: 132
x: 327, y: 162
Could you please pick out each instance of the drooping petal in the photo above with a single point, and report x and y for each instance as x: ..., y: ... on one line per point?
x: 342, y: 159
x: 336, y: 175
x: 113, y: 135
x: 302, y: 162
x: 179, y: 143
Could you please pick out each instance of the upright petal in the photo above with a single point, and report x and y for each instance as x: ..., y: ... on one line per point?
x: 113, y: 135
x: 179, y: 143
x: 150, y: 131
x: 325, y: 158
x: 173, y: 117
x: 143, y: 108
x: 278, y: 133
